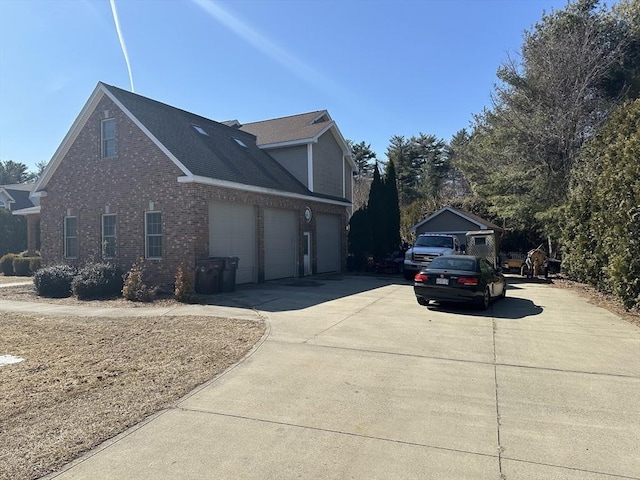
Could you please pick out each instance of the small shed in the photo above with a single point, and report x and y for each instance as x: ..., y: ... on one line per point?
x: 452, y: 221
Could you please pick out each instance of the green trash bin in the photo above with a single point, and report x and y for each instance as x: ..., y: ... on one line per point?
x: 208, y: 275
x: 229, y: 273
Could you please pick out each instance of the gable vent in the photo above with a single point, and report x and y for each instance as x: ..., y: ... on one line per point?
x: 105, y: 114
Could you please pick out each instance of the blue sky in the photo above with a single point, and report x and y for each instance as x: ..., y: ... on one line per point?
x: 381, y: 68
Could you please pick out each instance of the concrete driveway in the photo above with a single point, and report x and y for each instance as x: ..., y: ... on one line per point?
x: 356, y: 380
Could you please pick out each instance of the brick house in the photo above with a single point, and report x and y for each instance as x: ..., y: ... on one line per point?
x: 134, y: 178
x: 16, y: 198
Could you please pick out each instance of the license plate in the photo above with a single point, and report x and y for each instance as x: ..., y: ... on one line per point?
x: 442, y: 281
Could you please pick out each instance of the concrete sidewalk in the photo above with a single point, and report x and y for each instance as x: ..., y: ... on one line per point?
x: 356, y: 380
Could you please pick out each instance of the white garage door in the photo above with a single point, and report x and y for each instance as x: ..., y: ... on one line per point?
x: 232, y: 233
x: 328, y: 231
x: 280, y: 243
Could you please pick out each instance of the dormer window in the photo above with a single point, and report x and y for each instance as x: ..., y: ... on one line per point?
x: 108, y: 138
x: 199, y: 129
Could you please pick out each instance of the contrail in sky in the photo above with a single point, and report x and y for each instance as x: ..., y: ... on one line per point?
x: 270, y: 48
x: 122, y: 44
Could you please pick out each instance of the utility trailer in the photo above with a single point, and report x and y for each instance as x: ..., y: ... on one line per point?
x: 483, y: 243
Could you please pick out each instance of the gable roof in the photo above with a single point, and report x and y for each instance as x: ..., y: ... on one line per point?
x: 221, y: 153
x: 480, y: 222
x: 18, y: 195
x: 294, y: 130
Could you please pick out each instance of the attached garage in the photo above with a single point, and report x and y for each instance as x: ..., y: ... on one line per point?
x: 328, y: 233
x: 232, y: 233
x: 280, y: 243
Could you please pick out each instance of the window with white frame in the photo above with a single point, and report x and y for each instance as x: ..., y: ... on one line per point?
x: 70, y: 237
x: 153, y: 235
x: 109, y: 238
x: 108, y: 138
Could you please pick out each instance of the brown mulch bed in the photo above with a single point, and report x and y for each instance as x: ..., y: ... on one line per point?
x: 84, y: 380
x: 27, y: 293
x: 600, y: 299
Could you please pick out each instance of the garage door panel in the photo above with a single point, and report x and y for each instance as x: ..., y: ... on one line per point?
x: 232, y: 233
x: 280, y: 243
x: 328, y: 231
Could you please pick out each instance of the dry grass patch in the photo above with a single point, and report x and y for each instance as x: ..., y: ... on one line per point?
x: 87, y: 379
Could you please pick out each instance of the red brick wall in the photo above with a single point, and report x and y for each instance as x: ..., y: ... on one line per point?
x: 87, y: 185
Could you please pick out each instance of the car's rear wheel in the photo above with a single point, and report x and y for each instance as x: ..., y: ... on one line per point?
x: 422, y: 301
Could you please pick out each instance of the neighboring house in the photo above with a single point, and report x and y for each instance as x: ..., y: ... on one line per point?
x: 138, y: 178
x: 452, y: 221
x: 16, y: 199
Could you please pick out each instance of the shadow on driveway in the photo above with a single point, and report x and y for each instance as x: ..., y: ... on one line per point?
x: 506, y: 309
x: 299, y: 293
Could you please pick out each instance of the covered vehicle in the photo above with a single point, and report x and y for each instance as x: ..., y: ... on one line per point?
x: 459, y: 279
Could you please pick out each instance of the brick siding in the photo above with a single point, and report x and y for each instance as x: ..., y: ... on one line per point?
x: 88, y: 186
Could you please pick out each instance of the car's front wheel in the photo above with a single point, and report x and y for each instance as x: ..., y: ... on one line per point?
x: 486, y: 299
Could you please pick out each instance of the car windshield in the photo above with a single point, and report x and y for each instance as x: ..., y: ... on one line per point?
x: 447, y: 263
x: 439, y: 242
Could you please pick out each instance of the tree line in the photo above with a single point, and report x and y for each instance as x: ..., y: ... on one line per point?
x: 554, y: 159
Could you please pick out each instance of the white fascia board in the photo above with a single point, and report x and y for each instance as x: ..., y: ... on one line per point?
x: 68, y: 140
x: 290, y: 143
x: 310, y: 166
x: 321, y: 114
x: 144, y: 129
x: 27, y: 211
x: 251, y: 188
x: 481, y: 226
x: 77, y: 127
x: 7, y: 195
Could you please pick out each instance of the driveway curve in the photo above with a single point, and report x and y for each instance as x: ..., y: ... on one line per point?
x: 356, y: 380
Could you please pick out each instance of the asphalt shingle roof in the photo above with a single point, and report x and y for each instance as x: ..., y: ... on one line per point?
x: 20, y: 193
x: 288, y: 129
x: 224, y: 153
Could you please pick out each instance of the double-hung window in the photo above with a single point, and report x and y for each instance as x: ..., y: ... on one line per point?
x: 153, y: 235
x: 70, y: 237
x: 108, y: 138
x: 109, y: 239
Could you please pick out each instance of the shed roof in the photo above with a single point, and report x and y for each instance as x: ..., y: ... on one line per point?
x: 482, y: 223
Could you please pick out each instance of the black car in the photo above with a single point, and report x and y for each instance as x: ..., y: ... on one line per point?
x: 460, y: 279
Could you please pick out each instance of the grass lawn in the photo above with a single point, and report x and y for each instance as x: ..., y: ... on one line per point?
x: 84, y: 380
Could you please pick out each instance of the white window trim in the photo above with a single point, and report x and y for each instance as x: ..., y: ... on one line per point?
x: 146, y: 235
x: 103, y: 152
x: 115, y: 236
x: 65, y: 237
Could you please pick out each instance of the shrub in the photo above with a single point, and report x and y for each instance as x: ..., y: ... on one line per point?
x: 135, y: 288
x: 21, y: 266
x: 6, y: 264
x: 34, y: 264
x: 97, y: 280
x: 184, y: 290
x: 54, y: 281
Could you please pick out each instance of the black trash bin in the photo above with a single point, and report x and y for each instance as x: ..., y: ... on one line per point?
x: 229, y: 274
x: 208, y: 275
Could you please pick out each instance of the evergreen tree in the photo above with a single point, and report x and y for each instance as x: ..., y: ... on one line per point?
x: 392, y: 208
x: 376, y: 215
